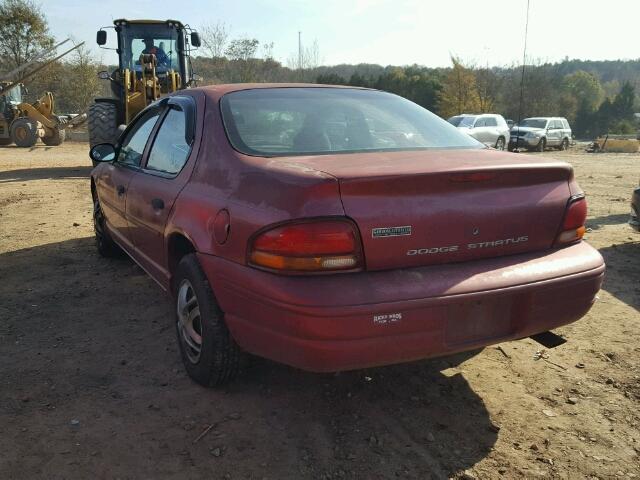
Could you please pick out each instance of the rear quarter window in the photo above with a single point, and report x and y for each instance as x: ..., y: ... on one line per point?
x: 170, y: 149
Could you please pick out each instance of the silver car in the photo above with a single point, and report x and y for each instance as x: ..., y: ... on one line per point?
x: 488, y: 128
x: 538, y: 133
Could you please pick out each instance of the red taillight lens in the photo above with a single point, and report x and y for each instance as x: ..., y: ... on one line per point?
x: 573, y: 228
x: 324, y: 245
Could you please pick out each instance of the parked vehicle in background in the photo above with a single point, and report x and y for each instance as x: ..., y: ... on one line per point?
x: 336, y: 228
x: 538, y: 133
x: 488, y: 128
x: 510, y: 123
x: 634, y: 221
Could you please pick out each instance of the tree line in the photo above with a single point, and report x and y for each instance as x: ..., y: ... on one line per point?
x: 596, y: 97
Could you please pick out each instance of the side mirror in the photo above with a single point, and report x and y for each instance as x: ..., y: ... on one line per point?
x: 103, y: 152
x: 195, y: 39
x: 104, y: 75
x: 101, y: 37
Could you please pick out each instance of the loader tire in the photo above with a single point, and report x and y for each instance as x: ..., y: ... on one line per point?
x: 56, y: 139
x: 24, y: 132
x: 102, y: 123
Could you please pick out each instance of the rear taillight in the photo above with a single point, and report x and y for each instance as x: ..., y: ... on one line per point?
x: 574, y: 218
x: 308, y: 246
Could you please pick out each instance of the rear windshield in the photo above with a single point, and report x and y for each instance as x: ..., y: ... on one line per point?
x: 455, y: 121
x: 302, y: 121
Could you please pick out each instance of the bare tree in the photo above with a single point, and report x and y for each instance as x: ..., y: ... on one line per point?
x: 214, y: 38
x: 267, y: 51
x: 306, y: 61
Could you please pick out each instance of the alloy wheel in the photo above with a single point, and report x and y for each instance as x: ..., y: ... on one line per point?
x: 189, y: 321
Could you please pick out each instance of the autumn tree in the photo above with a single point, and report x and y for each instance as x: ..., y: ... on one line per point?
x: 23, y: 32
x: 459, y: 91
x: 241, y: 53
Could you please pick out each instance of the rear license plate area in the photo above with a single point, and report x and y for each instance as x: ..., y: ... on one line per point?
x: 472, y: 322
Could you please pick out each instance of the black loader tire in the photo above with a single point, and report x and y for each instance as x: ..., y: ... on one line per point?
x: 24, y: 132
x: 58, y: 137
x: 102, y: 123
x: 220, y: 358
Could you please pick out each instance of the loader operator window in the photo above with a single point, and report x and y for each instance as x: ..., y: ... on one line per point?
x: 160, y: 40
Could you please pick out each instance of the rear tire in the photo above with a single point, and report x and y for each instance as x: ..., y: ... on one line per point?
x: 564, y: 145
x: 542, y: 145
x: 500, y: 143
x: 56, y: 139
x: 24, y: 132
x: 209, y: 353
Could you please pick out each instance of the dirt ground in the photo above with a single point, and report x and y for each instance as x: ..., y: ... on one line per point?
x: 91, y: 384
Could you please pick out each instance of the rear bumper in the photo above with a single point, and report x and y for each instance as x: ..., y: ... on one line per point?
x: 634, y: 220
x: 349, y: 321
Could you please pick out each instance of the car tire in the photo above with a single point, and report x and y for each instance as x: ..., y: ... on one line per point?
x: 209, y: 353
x: 104, y: 243
x: 564, y: 145
x: 500, y: 143
x: 541, y: 145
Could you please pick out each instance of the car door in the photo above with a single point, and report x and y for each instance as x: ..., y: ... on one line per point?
x: 491, y: 131
x: 113, y: 181
x: 555, y: 133
x: 478, y: 131
x: 152, y: 193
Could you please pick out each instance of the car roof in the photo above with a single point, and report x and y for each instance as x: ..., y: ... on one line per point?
x: 218, y: 91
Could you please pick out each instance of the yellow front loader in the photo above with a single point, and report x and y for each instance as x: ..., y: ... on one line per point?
x: 154, y: 60
x: 24, y: 123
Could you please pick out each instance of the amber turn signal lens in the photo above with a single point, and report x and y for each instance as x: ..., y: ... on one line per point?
x: 573, y: 228
x: 311, y: 246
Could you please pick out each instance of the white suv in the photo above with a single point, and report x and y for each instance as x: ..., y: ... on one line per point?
x: 488, y: 128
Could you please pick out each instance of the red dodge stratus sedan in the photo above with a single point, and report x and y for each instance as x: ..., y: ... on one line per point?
x: 333, y: 228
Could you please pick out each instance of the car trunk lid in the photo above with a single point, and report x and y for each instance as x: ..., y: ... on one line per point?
x: 439, y: 206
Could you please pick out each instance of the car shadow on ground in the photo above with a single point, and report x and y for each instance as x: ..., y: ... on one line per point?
x: 52, y: 173
x: 612, y: 219
x: 623, y: 263
x: 92, y: 340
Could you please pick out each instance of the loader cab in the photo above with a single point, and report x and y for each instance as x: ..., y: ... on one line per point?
x: 170, y: 37
x: 9, y: 101
x: 168, y: 40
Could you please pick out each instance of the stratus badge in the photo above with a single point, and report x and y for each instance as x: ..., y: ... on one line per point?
x: 391, y: 231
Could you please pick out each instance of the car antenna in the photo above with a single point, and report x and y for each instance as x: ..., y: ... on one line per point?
x: 524, y: 58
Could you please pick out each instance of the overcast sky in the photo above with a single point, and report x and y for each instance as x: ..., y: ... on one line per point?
x: 388, y: 32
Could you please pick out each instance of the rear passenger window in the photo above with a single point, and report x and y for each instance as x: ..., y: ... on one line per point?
x: 480, y: 122
x: 490, y: 122
x: 170, y: 150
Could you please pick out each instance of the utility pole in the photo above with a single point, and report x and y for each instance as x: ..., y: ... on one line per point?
x: 299, y: 50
